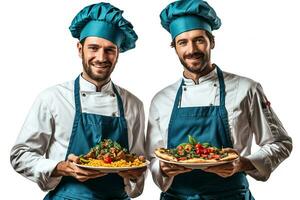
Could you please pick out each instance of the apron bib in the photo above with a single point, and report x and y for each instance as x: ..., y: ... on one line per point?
x: 206, y: 124
x: 88, y: 130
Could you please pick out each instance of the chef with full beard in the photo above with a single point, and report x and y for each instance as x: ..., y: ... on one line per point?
x: 221, y: 108
x: 68, y: 119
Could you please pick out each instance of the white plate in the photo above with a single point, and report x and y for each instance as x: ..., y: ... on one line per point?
x: 112, y: 169
x: 196, y: 165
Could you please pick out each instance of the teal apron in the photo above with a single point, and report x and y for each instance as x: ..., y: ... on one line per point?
x: 88, y: 130
x: 207, y: 124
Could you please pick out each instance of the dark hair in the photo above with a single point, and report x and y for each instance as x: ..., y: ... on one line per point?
x: 82, y: 42
x: 210, y: 36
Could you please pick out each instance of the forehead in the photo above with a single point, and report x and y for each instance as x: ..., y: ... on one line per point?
x: 191, y: 34
x: 99, y: 41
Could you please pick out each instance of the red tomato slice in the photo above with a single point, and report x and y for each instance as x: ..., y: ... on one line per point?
x: 210, y: 150
x: 204, y: 155
x: 216, y: 156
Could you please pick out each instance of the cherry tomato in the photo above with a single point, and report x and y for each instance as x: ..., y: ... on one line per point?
x: 179, y: 148
x: 198, y: 146
x: 180, y: 152
x: 201, y: 151
x: 205, y: 151
x: 107, y: 159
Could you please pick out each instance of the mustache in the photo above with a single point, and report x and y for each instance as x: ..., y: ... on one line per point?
x: 102, y: 64
x: 194, y: 55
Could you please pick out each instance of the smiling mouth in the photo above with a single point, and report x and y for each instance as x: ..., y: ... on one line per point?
x: 198, y: 58
x: 194, y: 56
x: 194, y: 60
x: 101, y: 66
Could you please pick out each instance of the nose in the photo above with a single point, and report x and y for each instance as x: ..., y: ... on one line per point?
x: 100, y: 55
x: 191, y: 48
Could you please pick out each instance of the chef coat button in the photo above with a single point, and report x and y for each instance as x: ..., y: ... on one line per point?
x: 112, y: 95
x: 215, y: 85
x: 184, y: 89
x: 114, y: 114
x: 83, y: 94
x: 211, y: 104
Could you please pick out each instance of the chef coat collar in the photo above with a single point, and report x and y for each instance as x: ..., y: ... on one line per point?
x: 211, y: 75
x: 90, y: 87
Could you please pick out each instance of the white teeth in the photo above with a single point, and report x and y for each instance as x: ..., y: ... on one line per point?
x: 99, y: 66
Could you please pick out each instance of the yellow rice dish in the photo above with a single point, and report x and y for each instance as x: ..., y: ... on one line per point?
x: 119, y: 163
x: 109, y: 153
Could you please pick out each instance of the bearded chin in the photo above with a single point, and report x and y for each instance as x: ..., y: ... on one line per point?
x: 196, y: 69
x: 100, y: 77
x: 96, y: 77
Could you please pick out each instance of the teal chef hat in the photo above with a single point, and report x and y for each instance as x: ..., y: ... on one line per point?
x: 185, y: 15
x: 105, y: 21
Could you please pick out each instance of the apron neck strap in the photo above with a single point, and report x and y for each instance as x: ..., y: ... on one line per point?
x: 177, y: 102
x: 222, y: 86
x: 120, y: 102
x: 77, y: 97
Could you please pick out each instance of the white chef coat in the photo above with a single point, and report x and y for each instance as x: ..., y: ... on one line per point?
x: 248, y: 113
x: 44, y: 137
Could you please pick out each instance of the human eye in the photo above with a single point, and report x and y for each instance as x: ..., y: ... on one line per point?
x: 93, y: 48
x: 181, y: 42
x: 200, y: 40
x: 110, y: 50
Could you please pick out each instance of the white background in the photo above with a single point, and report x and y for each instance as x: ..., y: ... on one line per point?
x: 258, y: 39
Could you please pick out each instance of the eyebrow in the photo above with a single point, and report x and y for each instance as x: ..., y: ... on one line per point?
x: 201, y: 36
x: 97, y: 45
x: 181, y: 40
x: 111, y: 47
x: 195, y: 38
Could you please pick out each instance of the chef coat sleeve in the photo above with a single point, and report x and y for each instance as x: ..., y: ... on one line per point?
x: 275, y: 144
x: 28, y: 155
x: 135, y: 188
x: 156, y: 138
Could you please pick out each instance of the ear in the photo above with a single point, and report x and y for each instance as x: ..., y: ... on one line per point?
x: 80, y: 49
x: 212, y: 44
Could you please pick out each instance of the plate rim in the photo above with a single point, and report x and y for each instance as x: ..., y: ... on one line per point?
x: 190, y: 165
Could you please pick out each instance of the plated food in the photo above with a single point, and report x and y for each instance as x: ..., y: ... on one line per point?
x: 196, y: 152
x: 110, y: 154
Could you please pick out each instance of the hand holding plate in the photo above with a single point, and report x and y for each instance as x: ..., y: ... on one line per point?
x: 172, y: 170
x: 68, y: 168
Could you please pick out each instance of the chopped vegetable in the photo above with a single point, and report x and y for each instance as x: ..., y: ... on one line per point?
x: 195, y: 149
x: 109, y: 152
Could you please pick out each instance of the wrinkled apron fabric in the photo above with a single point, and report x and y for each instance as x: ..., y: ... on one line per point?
x: 206, y: 124
x: 88, y: 130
